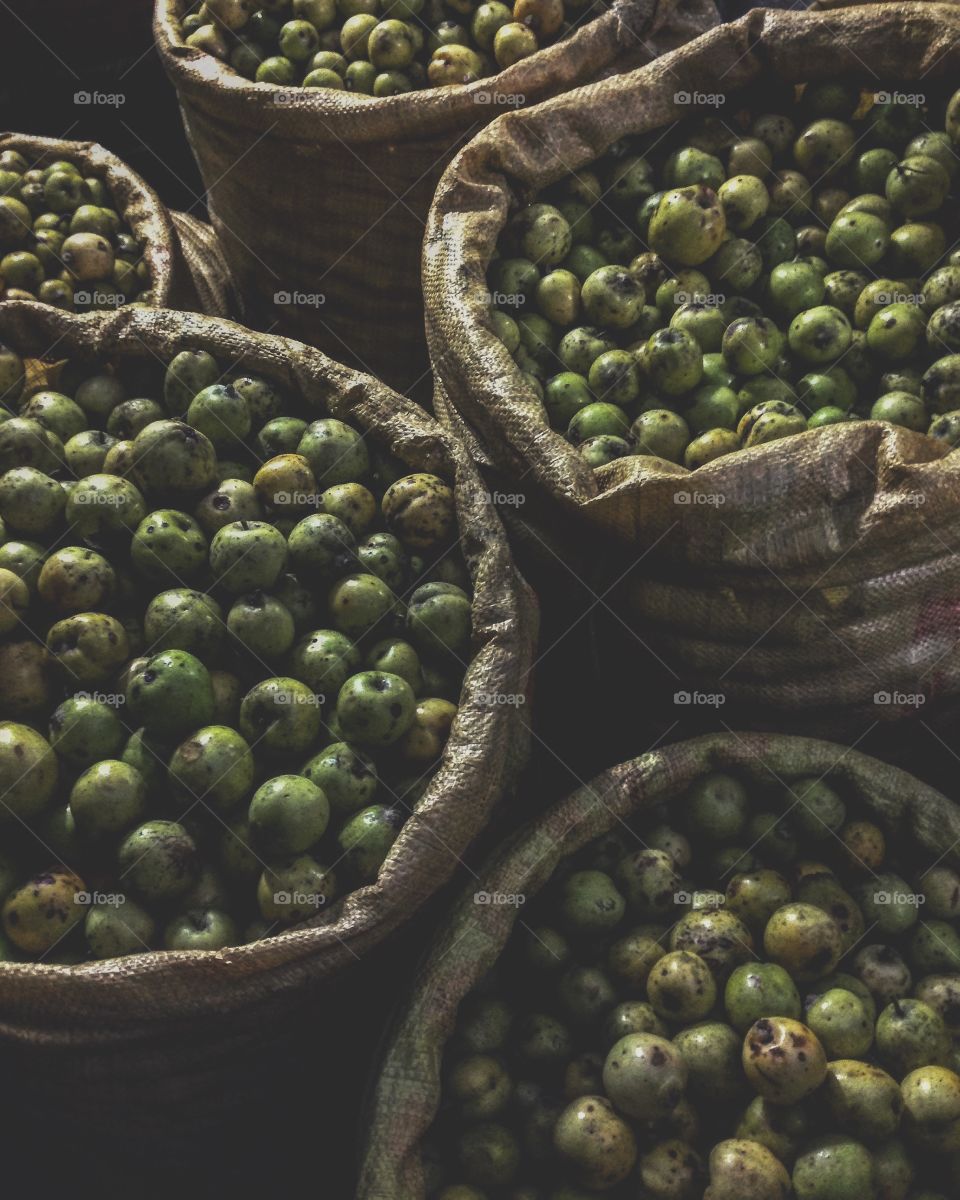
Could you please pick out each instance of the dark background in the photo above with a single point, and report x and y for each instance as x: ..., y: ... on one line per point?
x: 599, y: 707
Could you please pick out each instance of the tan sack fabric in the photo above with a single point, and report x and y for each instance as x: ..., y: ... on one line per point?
x: 196, y: 1025
x: 209, y: 275
x: 821, y: 569
x: 320, y: 196
x: 470, y: 942
x: 826, y: 5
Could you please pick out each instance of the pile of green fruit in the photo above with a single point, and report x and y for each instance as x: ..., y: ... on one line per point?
x: 62, y: 241
x: 378, y: 47
x: 232, y: 639
x: 757, y: 1000
x: 746, y: 279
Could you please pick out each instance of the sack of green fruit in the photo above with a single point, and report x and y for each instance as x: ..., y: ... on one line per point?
x: 321, y: 130
x: 726, y: 969
x: 260, y: 626
x: 81, y: 231
x: 709, y: 321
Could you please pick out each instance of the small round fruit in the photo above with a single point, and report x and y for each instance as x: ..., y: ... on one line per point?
x: 746, y: 1170
x: 158, y: 861
x: 804, y: 940
x: 783, y: 1059
x: 43, y: 910
x: 645, y: 1076
x: 420, y: 510
x: 596, y: 1144
x: 681, y: 987
x: 288, y: 814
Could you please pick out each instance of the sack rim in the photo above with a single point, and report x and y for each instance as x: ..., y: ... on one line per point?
x: 410, y: 1070
x: 148, y: 217
x: 470, y: 209
x: 201, y: 980
x: 427, y: 110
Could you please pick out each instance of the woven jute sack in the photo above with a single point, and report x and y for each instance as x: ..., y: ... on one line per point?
x: 204, y: 1028
x: 320, y: 196
x: 186, y: 266
x: 629, y: 797
x: 816, y: 570
x: 827, y: 5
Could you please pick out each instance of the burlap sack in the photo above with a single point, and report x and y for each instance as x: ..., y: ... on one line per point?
x: 321, y: 196
x: 826, y: 5
x: 186, y: 266
x: 473, y: 937
x: 203, y: 1028
x: 216, y: 296
x: 815, y: 570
